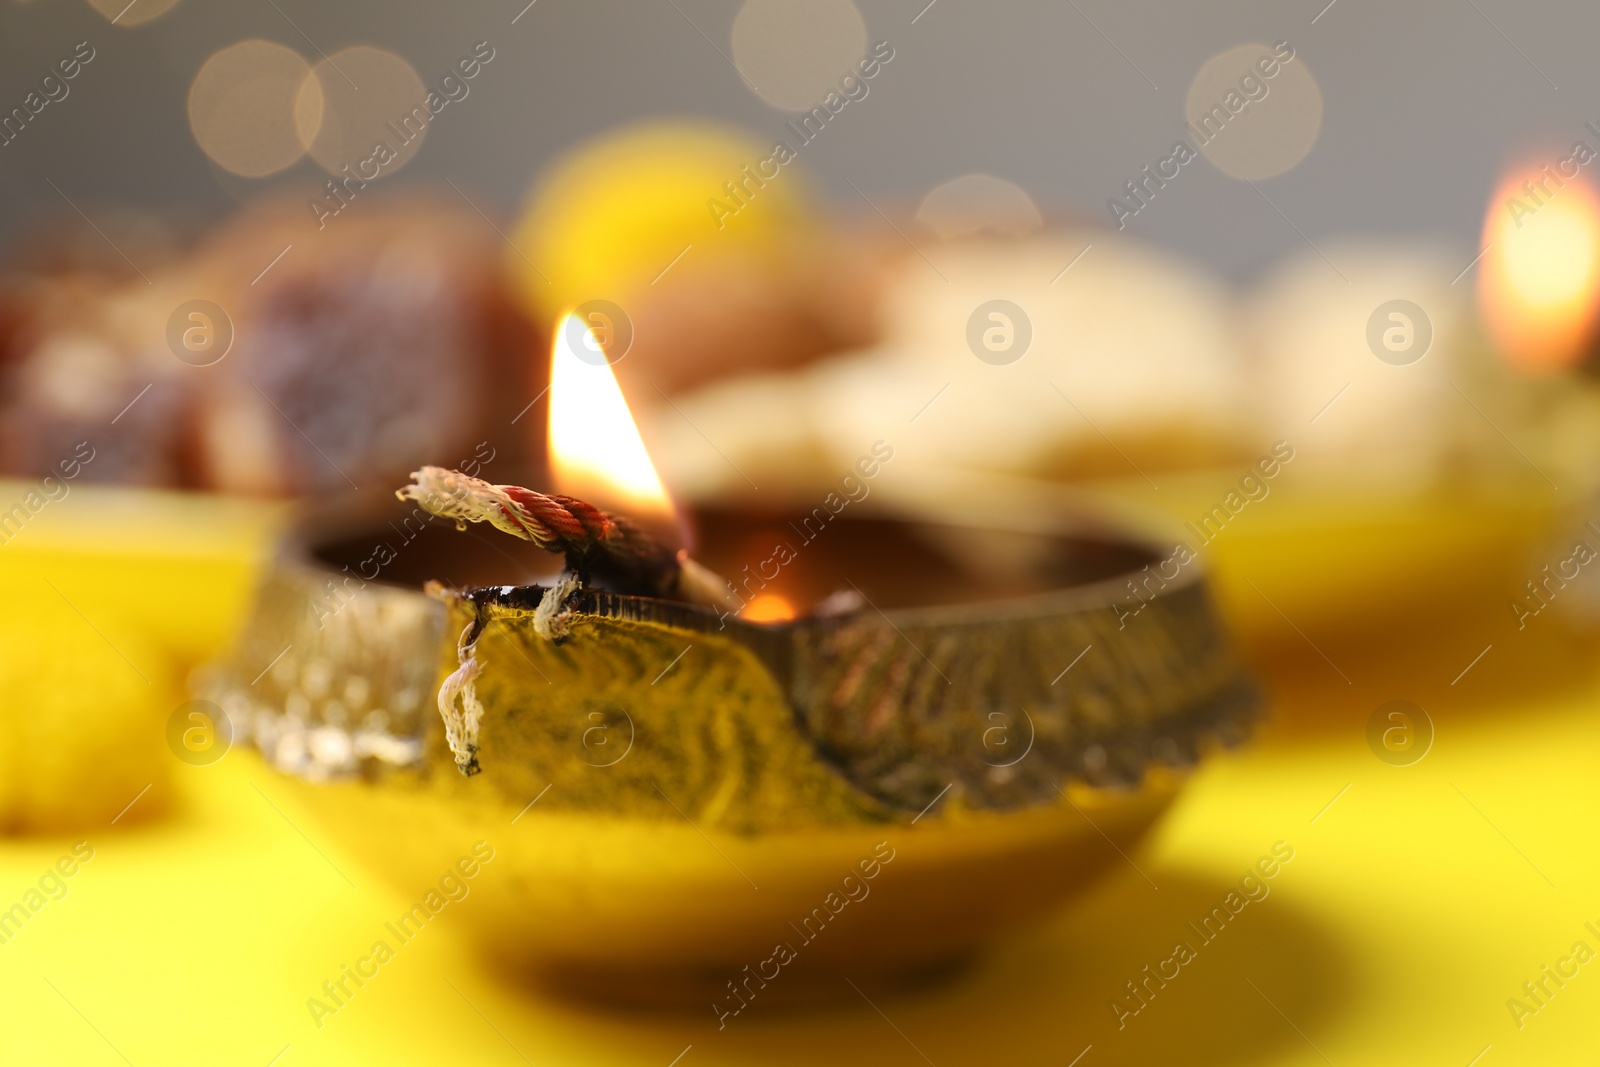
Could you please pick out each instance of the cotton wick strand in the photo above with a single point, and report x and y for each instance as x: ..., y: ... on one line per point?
x: 596, y: 543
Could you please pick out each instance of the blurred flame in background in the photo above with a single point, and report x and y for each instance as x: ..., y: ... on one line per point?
x: 596, y: 452
x: 1538, y: 287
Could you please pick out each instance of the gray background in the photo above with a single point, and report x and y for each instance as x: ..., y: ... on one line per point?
x: 1425, y: 104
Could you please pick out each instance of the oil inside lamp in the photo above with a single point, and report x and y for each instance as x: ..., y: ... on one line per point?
x: 768, y: 607
x: 1539, y: 289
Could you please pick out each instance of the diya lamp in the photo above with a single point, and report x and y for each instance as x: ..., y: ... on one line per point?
x: 1539, y: 299
x: 689, y: 797
x: 1539, y: 287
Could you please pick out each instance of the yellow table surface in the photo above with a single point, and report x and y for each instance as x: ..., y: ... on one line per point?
x: 1415, y: 906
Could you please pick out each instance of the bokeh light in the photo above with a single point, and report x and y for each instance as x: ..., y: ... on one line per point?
x: 1250, y: 123
x: 368, y: 97
x: 979, y: 203
x: 795, y: 54
x: 132, y: 12
x: 242, y: 107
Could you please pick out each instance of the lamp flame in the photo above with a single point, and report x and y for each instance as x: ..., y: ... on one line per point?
x: 1539, y: 289
x: 596, y: 452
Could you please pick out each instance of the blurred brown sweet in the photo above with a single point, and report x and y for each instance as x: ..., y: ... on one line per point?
x: 732, y: 311
x: 273, y: 359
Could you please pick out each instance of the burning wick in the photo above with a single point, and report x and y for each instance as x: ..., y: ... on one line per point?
x: 597, y: 544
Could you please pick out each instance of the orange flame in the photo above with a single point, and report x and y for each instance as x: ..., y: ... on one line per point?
x: 596, y: 452
x: 768, y: 607
x: 1539, y: 289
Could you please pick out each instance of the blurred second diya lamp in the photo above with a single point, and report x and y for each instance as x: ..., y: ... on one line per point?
x: 1539, y: 286
x: 734, y: 755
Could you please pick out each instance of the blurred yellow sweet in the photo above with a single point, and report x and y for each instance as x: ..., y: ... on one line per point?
x: 617, y: 211
x: 110, y: 596
x: 80, y: 716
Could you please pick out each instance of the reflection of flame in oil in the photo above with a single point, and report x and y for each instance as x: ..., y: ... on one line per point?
x: 1538, y: 287
x: 596, y: 452
x: 768, y: 607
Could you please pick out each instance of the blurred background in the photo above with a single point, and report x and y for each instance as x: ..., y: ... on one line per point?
x: 1424, y: 106
x: 1309, y: 292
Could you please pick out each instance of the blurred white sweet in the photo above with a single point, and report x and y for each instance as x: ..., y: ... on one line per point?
x: 1028, y: 356
x: 1359, y: 359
